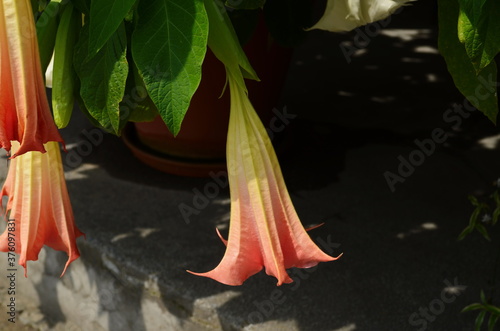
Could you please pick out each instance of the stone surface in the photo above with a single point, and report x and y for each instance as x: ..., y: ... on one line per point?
x: 402, y: 268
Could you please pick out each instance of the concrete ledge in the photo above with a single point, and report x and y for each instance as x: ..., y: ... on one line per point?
x: 400, y: 249
x: 402, y: 268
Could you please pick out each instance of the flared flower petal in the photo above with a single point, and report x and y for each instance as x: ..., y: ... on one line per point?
x: 265, y: 231
x: 24, y: 110
x: 346, y: 15
x: 39, y: 205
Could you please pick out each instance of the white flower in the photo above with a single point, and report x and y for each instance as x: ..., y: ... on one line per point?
x: 486, y: 218
x: 346, y: 15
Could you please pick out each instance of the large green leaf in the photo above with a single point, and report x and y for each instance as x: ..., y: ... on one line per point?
x: 136, y: 105
x: 63, y: 73
x: 168, y: 47
x: 46, y: 28
x: 105, y: 17
x: 103, y: 78
x: 479, y: 30
x: 480, y: 89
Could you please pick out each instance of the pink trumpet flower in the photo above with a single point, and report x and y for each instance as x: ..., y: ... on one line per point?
x: 265, y: 231
x: 39, y: 205
x: 24, y: 110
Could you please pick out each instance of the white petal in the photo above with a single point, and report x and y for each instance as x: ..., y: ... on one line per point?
x: 346, y: 15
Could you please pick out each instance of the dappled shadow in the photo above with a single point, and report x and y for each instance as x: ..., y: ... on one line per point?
x: 394, y: 80
x: 353, y: 122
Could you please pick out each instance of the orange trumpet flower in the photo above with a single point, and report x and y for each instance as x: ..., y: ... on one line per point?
x: 39, y: 205
x: 265, y: 231
x: 24, y: 110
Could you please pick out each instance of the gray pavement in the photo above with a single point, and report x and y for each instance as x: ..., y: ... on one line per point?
x: 402, y: 268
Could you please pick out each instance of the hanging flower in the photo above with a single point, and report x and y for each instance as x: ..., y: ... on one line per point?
x: 39, y: 206
x: 24, y: 110
x: 346, y: 15
x: 265, y: 230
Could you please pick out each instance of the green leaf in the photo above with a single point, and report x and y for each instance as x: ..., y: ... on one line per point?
x: 473, y: 200
x: 492, y: 309
x: 482, y: 296
x: 479, y: 320
x: 474, y: 216
x: 496, y: 215
x: 482, y: 230
x: 496, y: 197
x: 103, y: 78
x: 84, y: 110
x: 471, y: 307
x: 105, y: 17
x: 63, y: 74
x: 481, y: 89
x: 492, y: 321
x: 46, y: 28
x: 479, y: 30
x: 136, y: 105
x: 38, y: 6
x: 465, y: 232
x: 168, y: 47
x: 245, y: 4
x: 143, y: 111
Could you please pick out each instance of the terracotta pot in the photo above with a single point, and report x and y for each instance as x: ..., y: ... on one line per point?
x: 200, y: 146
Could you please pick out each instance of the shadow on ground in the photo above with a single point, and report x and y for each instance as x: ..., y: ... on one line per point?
x: 402, y: 269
